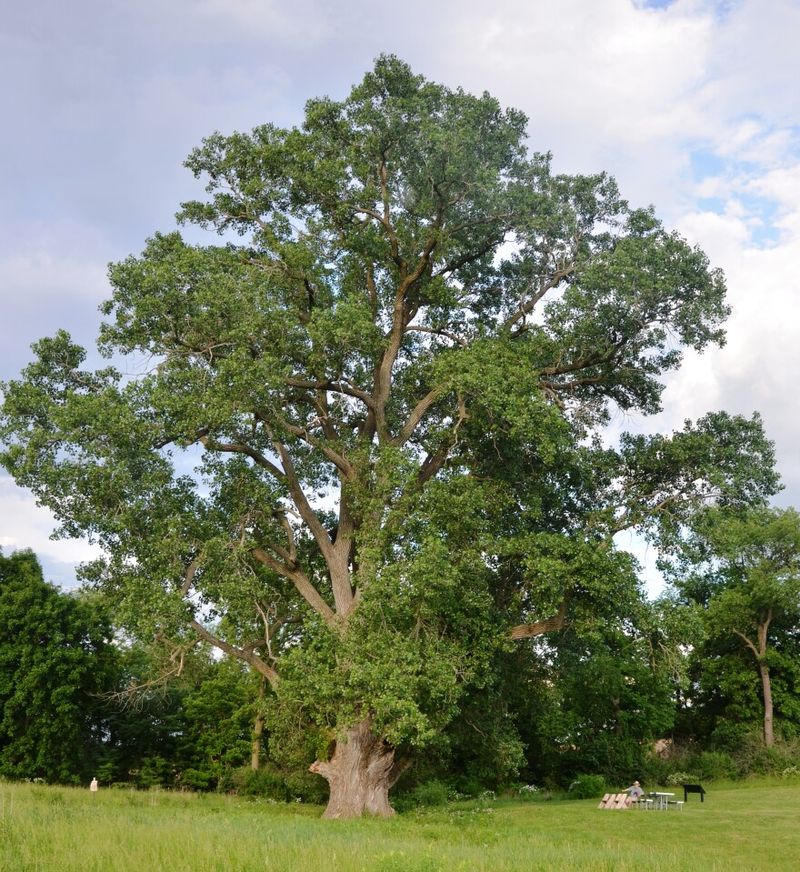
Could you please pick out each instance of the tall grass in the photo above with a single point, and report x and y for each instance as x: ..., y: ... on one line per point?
x: 737, y: 829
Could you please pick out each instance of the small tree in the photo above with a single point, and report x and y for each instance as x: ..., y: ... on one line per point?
x: 749, y: 583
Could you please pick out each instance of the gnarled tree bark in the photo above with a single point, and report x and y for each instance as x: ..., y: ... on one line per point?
x: 360, y: 774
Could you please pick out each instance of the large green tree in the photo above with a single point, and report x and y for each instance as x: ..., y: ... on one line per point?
x: 56, y: 662
x: 361, y: 451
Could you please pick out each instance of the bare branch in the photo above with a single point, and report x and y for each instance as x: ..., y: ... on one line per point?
x: 339, y: 387
x: 188, y: 576
x: 526, y: 307
x: 763, y: 629
x: 469, y: 257
x: 540, y: 628
x: 458, y: 340
x: 402, y: 314
x: 435, y: 461
x: 417, y: 413
x: 372, y: 290
x: 292, y: 545
x: 339, y: 460
x: 137, y: 692
x: 301, y: 582
x: 308, y: 515
x: 269, y: 629
x: 321, y: 405
x: 239, y: 448
x: 749, y: 644
x: 240, y: 653
x: 385, y: 218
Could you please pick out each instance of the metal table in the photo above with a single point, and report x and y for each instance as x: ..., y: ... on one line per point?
x: 660, y: 800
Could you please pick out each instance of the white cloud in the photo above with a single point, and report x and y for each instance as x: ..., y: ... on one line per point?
x: 757, y: 369
x: 782, y: 186
x: 606, y: 85
x: 24, y: 525
x: 756, y: 57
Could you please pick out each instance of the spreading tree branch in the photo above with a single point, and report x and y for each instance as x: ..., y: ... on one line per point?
x: 540, y: 628
x: 300, y: 580
x: 240, y: 653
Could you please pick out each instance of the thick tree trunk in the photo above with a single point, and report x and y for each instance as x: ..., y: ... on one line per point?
x: 766, y: 686
x: 359, y: 774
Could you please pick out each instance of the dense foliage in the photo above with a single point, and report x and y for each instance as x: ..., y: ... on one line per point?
x: 742, y: 571
x: 55, y: 663
x: 77, y: 706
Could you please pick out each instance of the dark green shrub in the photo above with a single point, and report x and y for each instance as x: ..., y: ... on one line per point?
x: 429, y: 793
x: 155, y: 771
x: 655, y: 769
x: 467, y: 786
x: 196, y: 779
x: 273, y: 783
x: 587, y: 787
x: 266, y: 782
x: 713, y: 765
x: 306, y: 787
x: 753, y: 758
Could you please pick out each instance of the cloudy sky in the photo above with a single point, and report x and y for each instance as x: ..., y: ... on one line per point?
x: 691, y: 104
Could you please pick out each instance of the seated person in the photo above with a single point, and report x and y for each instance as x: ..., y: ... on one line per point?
x: 635, y: 791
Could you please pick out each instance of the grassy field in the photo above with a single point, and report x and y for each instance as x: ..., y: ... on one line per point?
x: 739, y: 827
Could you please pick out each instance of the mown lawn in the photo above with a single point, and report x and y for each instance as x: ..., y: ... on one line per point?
x: 738, y: 828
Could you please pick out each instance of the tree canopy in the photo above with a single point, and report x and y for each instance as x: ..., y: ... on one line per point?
x: 362, y: 451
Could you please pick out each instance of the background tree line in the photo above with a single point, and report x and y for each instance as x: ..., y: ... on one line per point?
x: 78, y: 699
